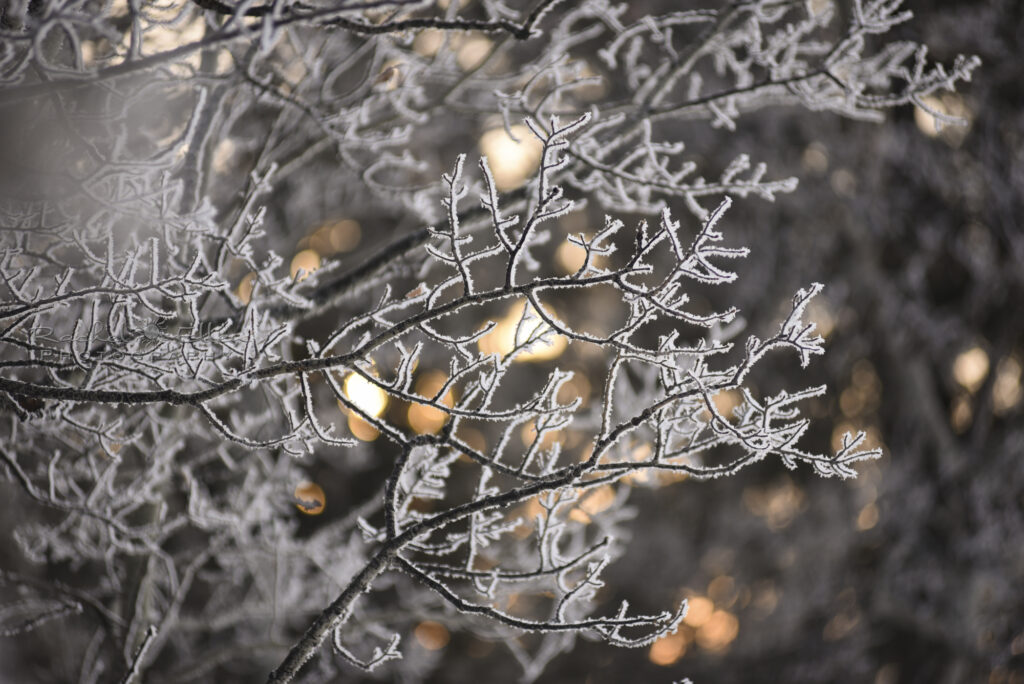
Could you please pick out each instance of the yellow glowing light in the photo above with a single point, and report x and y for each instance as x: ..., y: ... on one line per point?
x: 593, y: 503
x: 815, y: 158
x: 246, y: 287
x: 528, y: 513
x: 699, y: 610
x: 570, y: 256
x: 431, y: 635
x: 970, y: 368
x: 668, y: 649
x: 344, y: 235
x: 961, y: 414
x: 320, y: 243
x: 428, y: 42
x: 368, y: 397
x: 304, y: 263
x: 360, y: 429
x: 222, y: 155
x: 88, y: 53
x: 872, y: 437
x: 924, y: 119
x: 947, y: 104
x: 473, y: 52
x: 508, y: 334
x: 868, y: 517
x: 1006, y: 390
x: 725, y: 401
x: 722, y: 589
x: 778, y: 505
x: 511, y: 162
x: 428, y: 419
x: 819, y: 313
x: 309, y: 498
x: 719, y: 631
x: 529, y: 435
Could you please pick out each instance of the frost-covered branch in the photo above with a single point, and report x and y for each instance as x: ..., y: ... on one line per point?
x: 521, y: 336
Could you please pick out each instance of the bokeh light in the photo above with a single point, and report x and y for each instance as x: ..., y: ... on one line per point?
x: 246, y: 287
x: 473, y: 51
x: 368, y: 398
x: 428, y: 420
x: 511, y: 162
x: 718, y: 631
x: 949, y: 105
x: 591, y: 503
x: 431, y: 635
x: 1006, y: 390
x: 668, y: 649
x: 365, y: 395
x: 304, y: 263
x: 868, y: 517
x: 508, y: 334
x: 428, y: 42
x: 970, y: 368
x: 699, y: 610
x: 309, y: 498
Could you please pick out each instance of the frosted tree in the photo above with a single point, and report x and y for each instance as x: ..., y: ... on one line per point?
x: 167, y: 379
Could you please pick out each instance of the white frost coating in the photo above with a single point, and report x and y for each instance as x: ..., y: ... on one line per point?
x: 167, y: 384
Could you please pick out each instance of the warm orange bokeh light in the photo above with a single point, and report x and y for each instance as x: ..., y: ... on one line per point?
x: 428, y: 420
x: 508, y: 334
x: 868, y: 517
x: 725, y: 401
x: 949, y: 105
x: 592, y: 503
x: 360, y: 429
x: 304, y: 263
x: 473, y: 51
x: 309, y: 498
x: 431, y: 635
x: 668, y: 649
x: 245, y: 287
x: 333, y: 237
x: 570, y: 257
x: 1006, y: 391
x: 368, y: 397
x: 722, y: 589
x: 719, y: 631
x: 699, y: 609
x: 511, y: 162
x: 971, y: 368
x: 428, y: 42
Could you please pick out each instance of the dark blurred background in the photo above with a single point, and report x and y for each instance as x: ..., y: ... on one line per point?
x: 914, y: 571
